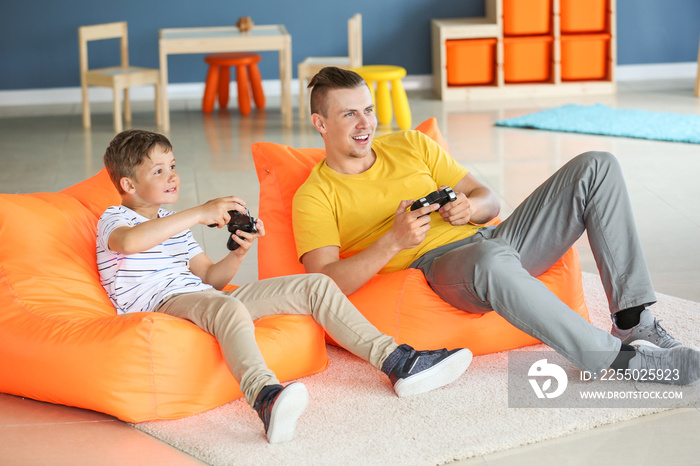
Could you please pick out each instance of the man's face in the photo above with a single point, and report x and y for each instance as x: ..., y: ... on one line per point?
x: 156, y: 180
x: 348, y: 128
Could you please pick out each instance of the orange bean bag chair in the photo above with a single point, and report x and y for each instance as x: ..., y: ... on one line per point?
x: 61, y: 340
x: 401, y: 304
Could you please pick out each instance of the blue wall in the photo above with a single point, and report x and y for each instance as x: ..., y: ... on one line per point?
x: 39, y: 49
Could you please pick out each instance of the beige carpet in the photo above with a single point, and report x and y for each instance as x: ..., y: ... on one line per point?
x: 354, y: 417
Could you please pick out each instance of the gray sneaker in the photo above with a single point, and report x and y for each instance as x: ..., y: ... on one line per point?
x: 648, y: 332
x: 413, y: 372
x: 674, y: 366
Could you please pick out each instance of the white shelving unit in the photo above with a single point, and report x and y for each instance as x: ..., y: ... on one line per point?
x: 491, y: 27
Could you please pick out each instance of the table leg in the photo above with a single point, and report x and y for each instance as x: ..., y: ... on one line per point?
x: 165, y: 105
x: 286, y: 81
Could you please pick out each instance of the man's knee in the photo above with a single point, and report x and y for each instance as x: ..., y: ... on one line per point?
x: 599, y: 160
x: 495, y: 257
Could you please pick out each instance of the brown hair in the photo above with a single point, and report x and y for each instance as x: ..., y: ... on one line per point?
x: 328, y: 79
x: 128, y: 150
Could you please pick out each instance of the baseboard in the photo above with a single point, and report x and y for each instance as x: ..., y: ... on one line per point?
x: 72, y: 95
x: 656, y: 71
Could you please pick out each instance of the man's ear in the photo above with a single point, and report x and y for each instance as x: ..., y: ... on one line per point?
x: 319, y: 124
x: 127, y: 185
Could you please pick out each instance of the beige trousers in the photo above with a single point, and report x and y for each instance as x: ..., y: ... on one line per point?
x: 229, y: 317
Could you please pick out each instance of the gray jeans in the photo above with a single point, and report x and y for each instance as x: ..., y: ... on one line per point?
x: 495, y: 269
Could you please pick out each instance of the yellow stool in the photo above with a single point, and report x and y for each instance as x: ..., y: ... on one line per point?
x: 382, y: 75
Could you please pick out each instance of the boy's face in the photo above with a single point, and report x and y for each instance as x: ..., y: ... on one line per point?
x: 349, y: 128
x: 156, y: 180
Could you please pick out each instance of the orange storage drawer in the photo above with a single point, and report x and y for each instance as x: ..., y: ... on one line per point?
x: 527, y: 59
x: 471, y: 61
x: 584, y: 57
x: 527, y: 17
x: 583, y: 16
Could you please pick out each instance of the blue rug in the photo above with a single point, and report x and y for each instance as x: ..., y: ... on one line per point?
x: 601, y: 119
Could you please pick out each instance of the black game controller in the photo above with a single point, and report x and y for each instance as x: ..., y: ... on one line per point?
x: 441, y: 197
x: 239, y: 221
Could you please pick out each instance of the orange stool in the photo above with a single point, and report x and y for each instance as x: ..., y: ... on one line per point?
x: 219, y: 76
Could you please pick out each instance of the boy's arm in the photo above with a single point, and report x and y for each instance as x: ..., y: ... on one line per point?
x: 409, y: 230
x: 132, y: 240
x: 219, y: 274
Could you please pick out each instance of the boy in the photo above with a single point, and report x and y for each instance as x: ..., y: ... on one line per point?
x: 149, y: 261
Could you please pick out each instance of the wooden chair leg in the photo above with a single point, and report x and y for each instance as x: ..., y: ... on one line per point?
x: 117, y: 111
x: 158, y: 96
x: 127, y: 106
x: 86, y: 106
x: 302, y: 94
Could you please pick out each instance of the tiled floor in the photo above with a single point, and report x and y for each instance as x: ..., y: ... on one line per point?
x: 44, y: 148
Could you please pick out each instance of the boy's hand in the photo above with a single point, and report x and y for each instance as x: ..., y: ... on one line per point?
x: 245, y: 239
x: 215, y: 211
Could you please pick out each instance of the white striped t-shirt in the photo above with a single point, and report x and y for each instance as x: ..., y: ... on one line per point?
x: 139, y: 282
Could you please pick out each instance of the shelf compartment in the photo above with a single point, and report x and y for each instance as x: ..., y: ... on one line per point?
x: 584, y: 56
x: 527, y: 17
x: 527, y: 59
x: 471, y: 61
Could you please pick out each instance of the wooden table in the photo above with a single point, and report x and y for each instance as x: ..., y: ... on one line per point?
x: 228, y: 39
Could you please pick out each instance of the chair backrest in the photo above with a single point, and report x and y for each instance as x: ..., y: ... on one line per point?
x: 99, y: 32
x: 355, y: 40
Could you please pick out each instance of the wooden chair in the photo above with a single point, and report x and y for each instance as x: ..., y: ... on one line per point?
x: 117, y: 77
x: 312, y: 65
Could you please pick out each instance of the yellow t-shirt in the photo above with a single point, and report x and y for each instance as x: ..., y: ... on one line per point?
x: 354, y: 211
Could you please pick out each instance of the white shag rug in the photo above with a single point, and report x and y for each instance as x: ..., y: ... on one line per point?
x: 354, y: 417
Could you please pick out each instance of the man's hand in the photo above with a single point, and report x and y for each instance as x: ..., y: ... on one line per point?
x: 215, y: 211
x: 410, y: 227
x: 457, y: 212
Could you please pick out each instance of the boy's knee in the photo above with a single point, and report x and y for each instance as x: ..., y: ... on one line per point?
x: 320, y: 278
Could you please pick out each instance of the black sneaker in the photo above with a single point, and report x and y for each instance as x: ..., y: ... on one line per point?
x: 676, y: 366
x: 413, y: 372
x: 279, y: 408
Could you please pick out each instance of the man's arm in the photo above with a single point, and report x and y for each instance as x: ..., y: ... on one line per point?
x: 475, y: 203
x: 408, y: 231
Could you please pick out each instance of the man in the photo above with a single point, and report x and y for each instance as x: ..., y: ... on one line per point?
x: 351, y: 222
